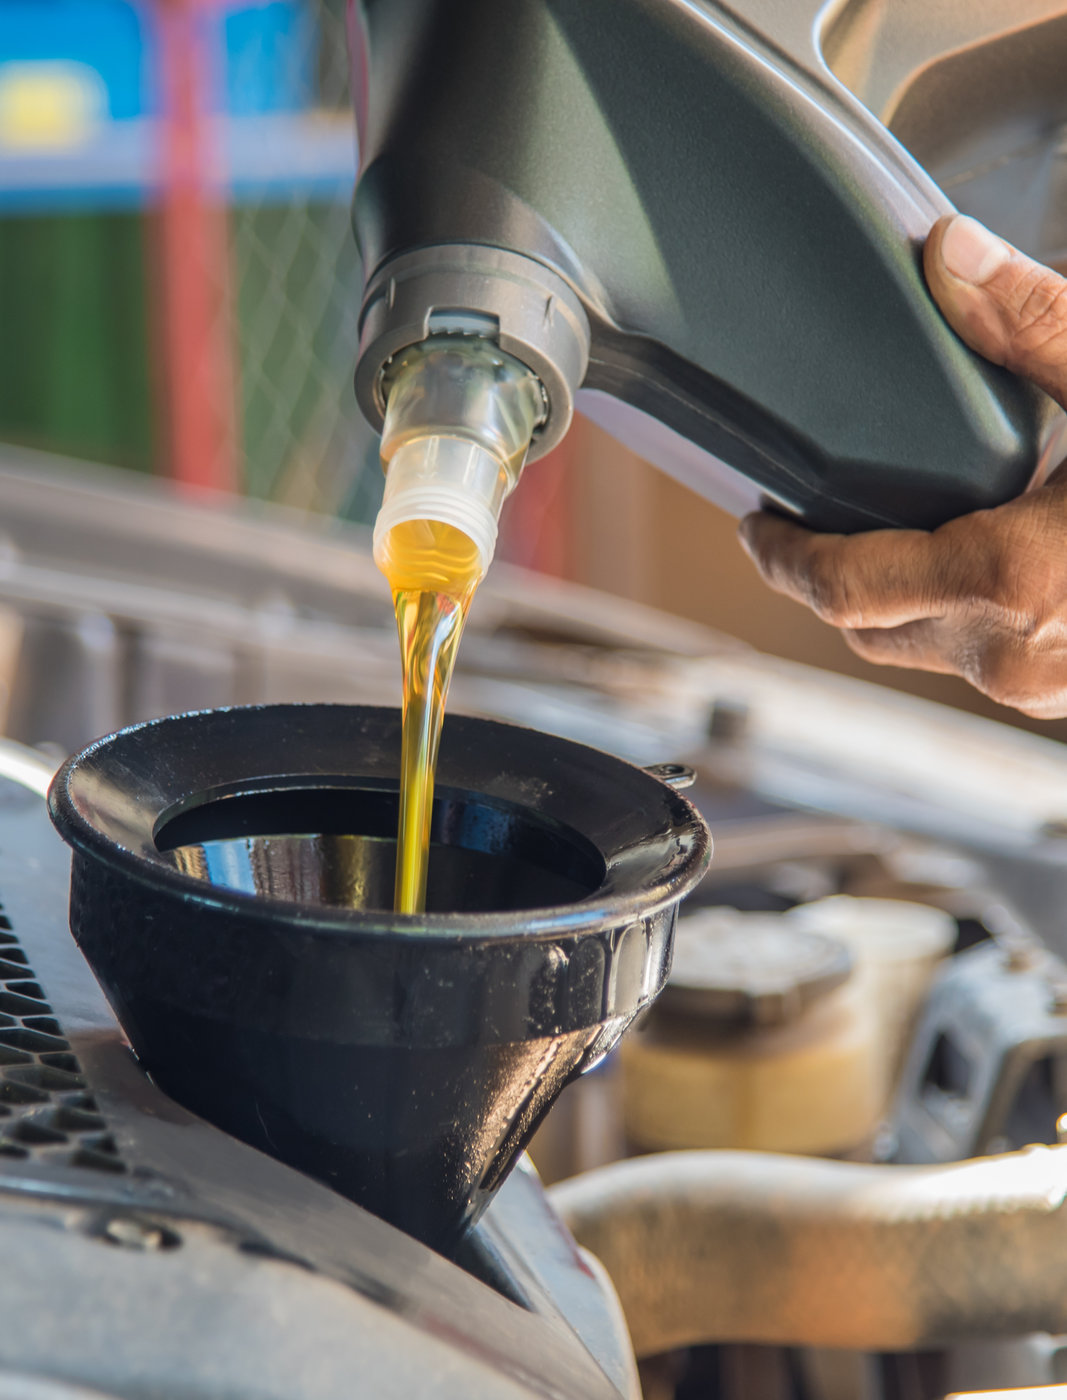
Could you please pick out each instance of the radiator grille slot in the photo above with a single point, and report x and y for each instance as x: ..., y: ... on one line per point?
x: 47, y: 1114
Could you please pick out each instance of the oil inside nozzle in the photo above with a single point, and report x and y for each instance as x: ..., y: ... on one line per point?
x: 460, y: 415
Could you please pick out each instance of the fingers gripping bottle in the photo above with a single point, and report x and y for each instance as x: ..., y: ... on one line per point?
x: 459, y: 417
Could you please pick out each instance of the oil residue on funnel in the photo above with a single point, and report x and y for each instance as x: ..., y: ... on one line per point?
x: 433, y: 570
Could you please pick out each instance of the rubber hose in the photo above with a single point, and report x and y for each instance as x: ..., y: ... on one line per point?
x: 747, y: 1246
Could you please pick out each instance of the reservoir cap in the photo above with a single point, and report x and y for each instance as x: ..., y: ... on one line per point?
x: 750, y: 969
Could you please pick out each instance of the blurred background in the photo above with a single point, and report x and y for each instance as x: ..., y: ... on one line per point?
x: 179, y: 292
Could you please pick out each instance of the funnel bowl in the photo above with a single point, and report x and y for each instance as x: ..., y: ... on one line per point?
x: 231, y: 883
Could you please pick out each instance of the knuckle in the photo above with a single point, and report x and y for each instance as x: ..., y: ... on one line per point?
x: 1007, y: 673
x: 1014, y: 591
x: 870, y: 645
x: 830, y: 593
x: 996, y: 675
x: 1040, y: 319
x: 1016, y: 581
x: 1025, y: 594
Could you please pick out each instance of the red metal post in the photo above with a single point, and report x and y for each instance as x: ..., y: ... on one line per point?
x: 193, y: 291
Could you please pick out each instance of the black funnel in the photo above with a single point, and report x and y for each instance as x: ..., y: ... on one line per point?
x: 231, y: 889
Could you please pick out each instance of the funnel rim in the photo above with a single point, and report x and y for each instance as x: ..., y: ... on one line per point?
x: 148, y: 866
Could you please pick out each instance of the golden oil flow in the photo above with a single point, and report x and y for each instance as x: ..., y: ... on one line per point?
x: 459, y: 418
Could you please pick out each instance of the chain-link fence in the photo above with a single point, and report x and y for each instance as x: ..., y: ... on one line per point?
x: 296, y: 279
x: 179, y: 284
x: 296, y: 288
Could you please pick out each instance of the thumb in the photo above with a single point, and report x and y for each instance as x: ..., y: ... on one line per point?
x: 1002, y: 303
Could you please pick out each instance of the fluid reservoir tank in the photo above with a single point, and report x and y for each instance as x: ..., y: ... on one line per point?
x: 763, y: 1039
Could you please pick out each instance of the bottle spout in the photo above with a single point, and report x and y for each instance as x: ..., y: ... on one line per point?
x: 460, y: 416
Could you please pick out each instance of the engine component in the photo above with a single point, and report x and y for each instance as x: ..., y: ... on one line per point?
x: 897, y: 946
x: 987, y: 1069
x: 761, y: 1040
x: 712, y: 1246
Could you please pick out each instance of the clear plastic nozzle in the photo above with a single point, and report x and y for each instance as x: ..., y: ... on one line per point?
x: 459, y: 417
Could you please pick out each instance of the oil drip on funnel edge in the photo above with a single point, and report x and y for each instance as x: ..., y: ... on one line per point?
x: 404, y: 1060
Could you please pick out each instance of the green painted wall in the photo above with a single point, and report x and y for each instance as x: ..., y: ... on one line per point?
x: 74, y: 362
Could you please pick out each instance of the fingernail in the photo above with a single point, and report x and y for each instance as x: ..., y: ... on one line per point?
x: 970, y: 252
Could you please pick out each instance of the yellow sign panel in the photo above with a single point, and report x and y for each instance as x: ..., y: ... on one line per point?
x: 49, y: 106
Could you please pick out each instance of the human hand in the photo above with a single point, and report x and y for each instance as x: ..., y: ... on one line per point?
x: 985, y: 596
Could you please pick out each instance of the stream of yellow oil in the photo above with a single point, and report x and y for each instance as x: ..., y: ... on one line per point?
x: 433, y: 570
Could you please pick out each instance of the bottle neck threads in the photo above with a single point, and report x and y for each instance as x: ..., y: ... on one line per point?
x: 460, y: 414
